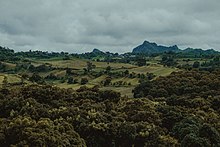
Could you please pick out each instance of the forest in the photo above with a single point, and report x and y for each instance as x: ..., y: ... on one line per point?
x: 175, y: 100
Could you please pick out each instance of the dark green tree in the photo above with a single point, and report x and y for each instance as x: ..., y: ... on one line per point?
x: 84, y: 81
x: 196, y: 64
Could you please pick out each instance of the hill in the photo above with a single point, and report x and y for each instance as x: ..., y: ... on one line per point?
x: 95, y: 99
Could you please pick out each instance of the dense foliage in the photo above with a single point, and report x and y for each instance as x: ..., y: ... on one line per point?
x: 181, y: 109
x: 44, y: 115
x: 185, y: 83
x: 39, y: 115
x: 191, y: 105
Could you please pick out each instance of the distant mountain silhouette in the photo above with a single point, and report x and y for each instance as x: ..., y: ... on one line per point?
x: 97, y: 51
x: 149, y: 48
x: 200, y: 51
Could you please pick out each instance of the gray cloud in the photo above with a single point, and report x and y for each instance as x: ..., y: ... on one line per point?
x: 116, y: 25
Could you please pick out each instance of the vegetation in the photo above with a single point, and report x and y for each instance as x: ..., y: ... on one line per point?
x: 92, y: 117
x: 106, y: 99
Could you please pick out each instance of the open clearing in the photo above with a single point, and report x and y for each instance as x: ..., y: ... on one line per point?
x: 11, y: 78
x: 81, y: 63
x: 158, y: 70
x: 78, y: 64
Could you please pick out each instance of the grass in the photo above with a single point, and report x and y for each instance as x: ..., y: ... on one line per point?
x: 98, y: 80
x: 1, y: 79
x: 133, y: 81
x: 12, y: 78
x: 125, y: 91
x: 81, y: 63
x: 73, y: 86
x: 158, y: 70
x: 9, y: 66
x: 77, y: 64
x: 113, y: 65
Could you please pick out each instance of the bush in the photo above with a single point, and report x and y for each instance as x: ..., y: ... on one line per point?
x: 84, y: 81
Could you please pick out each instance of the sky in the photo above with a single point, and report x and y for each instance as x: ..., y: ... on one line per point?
x: 78, y: 26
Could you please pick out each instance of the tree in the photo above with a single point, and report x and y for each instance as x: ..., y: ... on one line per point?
x: 24, y: 131
x: 2, y: 67
x: 126, y: 72
x: 84, y: 81
x: 5, y: 81
x: 68, y: 71
x: 150, y: 76
x: 90, y: 66
x: 191, y: 140
x: 142, y: 89
x: 75, y: 81
x: 216, y: 59
x: 109, y: 95
x: 107, y: 81
x: 168, y: 60
x: 36, y: 78
x: 196, y: 64
x: 108, y: 69
x: 70, y: 80
x: 141, y: 62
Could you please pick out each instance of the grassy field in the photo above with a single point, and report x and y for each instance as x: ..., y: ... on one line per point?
x: 9, y: 66
x: 79, y: 64
x: 73, y: 86
x: 1, y: 79
x: 125, y: 91
x: 11, y: 78
x: 158, y: 70
x: 98, y: 80
x: 133, y: 81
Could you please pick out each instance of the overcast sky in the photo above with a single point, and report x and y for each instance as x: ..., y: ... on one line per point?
x: 110, y: 25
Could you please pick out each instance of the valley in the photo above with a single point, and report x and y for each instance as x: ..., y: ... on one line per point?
x: 159, y: 97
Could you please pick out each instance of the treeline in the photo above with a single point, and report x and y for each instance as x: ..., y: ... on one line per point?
x: 171, y: 59
x: 7, y: 54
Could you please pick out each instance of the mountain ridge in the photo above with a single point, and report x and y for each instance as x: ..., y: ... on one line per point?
x: 151, y: 47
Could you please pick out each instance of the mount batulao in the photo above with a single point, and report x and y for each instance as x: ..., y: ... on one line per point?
x: 149, y: 48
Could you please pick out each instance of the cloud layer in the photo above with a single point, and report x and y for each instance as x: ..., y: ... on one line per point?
x: 116, y: 25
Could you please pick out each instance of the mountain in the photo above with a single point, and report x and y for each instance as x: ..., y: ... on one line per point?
x: 200, y: 51
x: 97, y: 51
x: 150, y: 48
